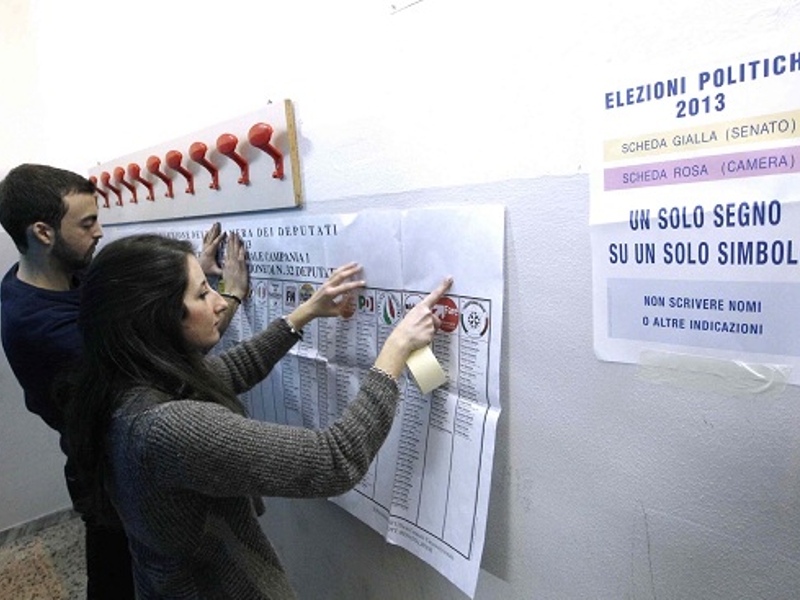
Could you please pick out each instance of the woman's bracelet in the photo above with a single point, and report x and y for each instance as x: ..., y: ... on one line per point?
x: 290, y: 325
x: 232, y: 297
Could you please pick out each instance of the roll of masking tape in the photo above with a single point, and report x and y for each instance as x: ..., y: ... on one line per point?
x: 427, y: 371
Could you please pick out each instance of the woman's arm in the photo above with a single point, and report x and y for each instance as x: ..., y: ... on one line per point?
x: 215, y: 451
x: 249, y: 362
x: 204, y: 447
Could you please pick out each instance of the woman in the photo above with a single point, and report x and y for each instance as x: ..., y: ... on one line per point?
x: 159, y: 424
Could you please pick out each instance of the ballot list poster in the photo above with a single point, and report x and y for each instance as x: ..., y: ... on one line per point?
x: 428, y: 488
x: 694, y: 214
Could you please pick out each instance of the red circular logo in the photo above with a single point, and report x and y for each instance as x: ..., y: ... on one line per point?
x: 447, y: 311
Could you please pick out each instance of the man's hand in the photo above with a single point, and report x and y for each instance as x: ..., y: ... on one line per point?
x: 235, y: 276
x: 235, y: 279
x: 208, y: 255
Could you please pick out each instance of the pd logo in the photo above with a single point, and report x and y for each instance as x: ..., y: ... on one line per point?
x: 366, y: 303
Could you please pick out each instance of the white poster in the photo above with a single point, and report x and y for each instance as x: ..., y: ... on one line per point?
x: 428, y: 488
x: 695, y: 220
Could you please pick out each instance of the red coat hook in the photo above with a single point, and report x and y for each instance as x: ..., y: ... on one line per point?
x: 153, y: 165
x: 197, y: 152
x: 174, y: 159
x: 135, y: 173
x: 100, y: 191
x: 259, y: 136
x: 119, y: 176
x: 105, y: 179
x: 226, y: 144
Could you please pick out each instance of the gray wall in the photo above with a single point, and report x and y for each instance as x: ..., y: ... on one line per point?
x: 605, y: 485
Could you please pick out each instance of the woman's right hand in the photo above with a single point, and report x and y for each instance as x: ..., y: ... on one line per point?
x: 413, y: 332
x: 334, y: 298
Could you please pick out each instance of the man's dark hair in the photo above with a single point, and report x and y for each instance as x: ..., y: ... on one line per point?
x: 31, y: 193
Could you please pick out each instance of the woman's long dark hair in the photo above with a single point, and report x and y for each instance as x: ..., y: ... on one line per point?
x: 130, y: 322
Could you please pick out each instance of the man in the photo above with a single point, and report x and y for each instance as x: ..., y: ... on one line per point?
x: 51, y: 215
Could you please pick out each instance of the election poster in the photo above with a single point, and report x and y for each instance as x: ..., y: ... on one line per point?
x: 695, y: 212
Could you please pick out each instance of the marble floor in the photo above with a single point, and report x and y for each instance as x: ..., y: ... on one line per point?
x: 43, y: 559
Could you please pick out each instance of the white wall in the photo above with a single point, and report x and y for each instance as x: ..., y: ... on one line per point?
x: 605, y: 485
x: 31, y: 464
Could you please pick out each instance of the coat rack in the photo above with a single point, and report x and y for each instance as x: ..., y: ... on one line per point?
x: 250, y: 163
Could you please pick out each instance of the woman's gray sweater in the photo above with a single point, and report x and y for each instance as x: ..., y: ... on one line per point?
x: 183, y: 474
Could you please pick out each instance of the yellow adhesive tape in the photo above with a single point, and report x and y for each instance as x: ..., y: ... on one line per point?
x: 427, y: 371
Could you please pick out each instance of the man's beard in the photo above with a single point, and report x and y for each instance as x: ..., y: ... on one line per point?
x: 71, y: 260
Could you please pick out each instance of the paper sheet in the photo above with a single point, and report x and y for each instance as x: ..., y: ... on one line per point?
x: 428, y: 488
